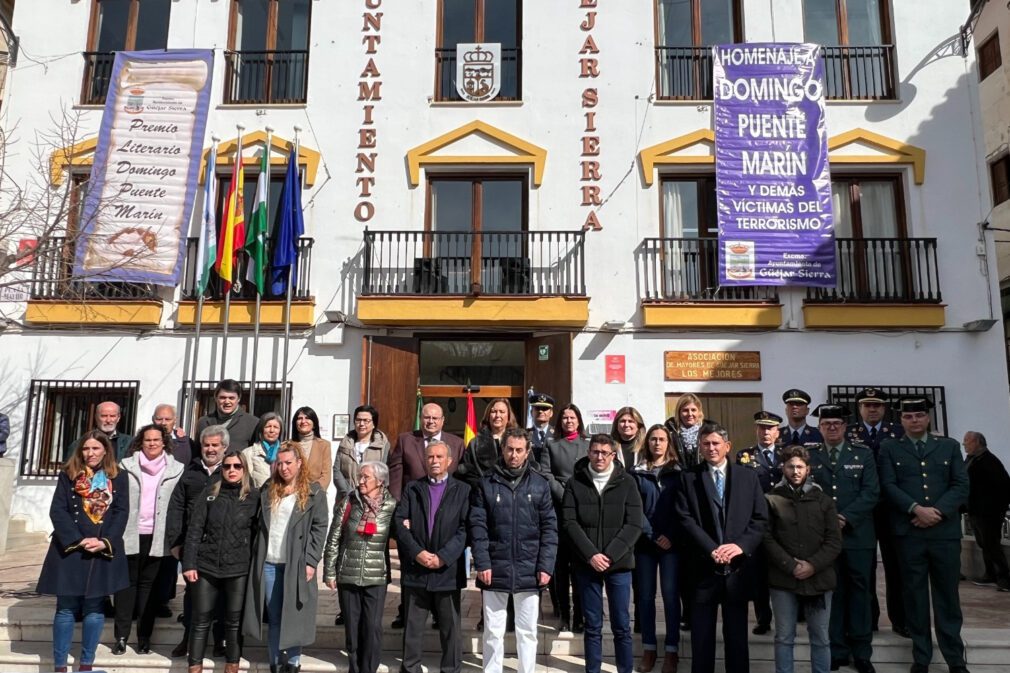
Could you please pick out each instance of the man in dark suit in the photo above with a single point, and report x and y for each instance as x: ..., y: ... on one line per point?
x: 406, y: 459
x: 431, y: 536
x: 723, y: 513
x: 763, y: 459
x: 925, y: 483
x: 988, y: 499
x: 107, y: 416
x: 796, y: 431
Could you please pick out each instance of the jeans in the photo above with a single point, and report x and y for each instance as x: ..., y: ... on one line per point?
x: 618, y: 584
x: 273, y: 575
x: 646, y: 564
x: 785, y: 606
x: 63, y: 627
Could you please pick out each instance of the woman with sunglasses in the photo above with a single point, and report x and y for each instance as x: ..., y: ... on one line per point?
x: 218, y: 550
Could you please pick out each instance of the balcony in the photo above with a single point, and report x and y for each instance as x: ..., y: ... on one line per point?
x: 474, y: 278
x: 97, y: 74
x: 859, y: 73
x: 445, y: 75
x: 266, y: 77
x: 684, y: 73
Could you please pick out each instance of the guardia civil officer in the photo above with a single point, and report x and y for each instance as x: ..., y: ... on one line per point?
x: 848, y: 473
x: 925, y: 483
x: 796, y: 431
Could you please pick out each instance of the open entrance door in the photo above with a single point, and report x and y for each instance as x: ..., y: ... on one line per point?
x: 549, y: 367
x: 390, y: 382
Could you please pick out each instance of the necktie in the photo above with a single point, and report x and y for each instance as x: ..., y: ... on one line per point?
x: 796, y: 437
x: 834, y: 455
x: 873, y: 434
x: 770, y: 457
x: 919, y: 446
x: 720, y: 485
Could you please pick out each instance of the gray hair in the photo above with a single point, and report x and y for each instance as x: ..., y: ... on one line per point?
x: 216, y: 431
x: 437, y: 442
x: 978, y: 437
x: 379, y: 470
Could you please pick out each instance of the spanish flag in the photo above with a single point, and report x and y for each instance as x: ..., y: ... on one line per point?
x: 232, y: 236
x: 470, y: 431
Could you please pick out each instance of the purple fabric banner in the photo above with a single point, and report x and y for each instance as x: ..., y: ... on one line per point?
x: 147, y: 161
x: 773, y: 186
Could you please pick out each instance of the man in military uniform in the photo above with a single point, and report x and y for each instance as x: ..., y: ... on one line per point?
x: 764, y: 460
x: 541, y: 411
x: 848, y: 473
x: 871, y: 429
x: 925, y: 483
x: 796, y: 431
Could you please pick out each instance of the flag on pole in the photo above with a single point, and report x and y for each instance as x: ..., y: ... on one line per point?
x: 232, y: 226
x: 256, y: 236
x: 417, y: 413
x: 470, y: 431
x: 289, y: 230
x: 206, y: 247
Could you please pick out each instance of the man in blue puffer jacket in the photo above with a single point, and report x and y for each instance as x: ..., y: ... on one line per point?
x: 514, y: 536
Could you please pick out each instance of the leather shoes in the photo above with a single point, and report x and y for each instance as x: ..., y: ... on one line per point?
x: 670, y: 662
x: 919, y: 668
x: 578, y: 627
x: 648, y: 661
x: 838, y: 663
x: 397, y: 622
x: 564, y: 625
x: 958, y: 669
x: 902, y: 631
x: 863, y: 666
x: 761, y: 629
x: 181, y: 650
x: 144, y: 646
x: 339, y: 619
x: 119, y: 647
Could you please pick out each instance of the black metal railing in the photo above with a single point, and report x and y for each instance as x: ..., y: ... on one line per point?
x: 859, y: 73
x: 266, y: 77
x: 883, y: 270
x: 511, y: 75
x: 684, y: 73
x: 97, y: 74
x: 52, y: 277
x: 243, y: 289
x: 527, y: 263
x: 847, y: 396
x: 687, y: 270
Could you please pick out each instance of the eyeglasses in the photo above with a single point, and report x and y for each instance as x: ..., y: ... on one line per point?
x: 232, y: 466
x: 832, y: 424
x: 362, y: 421
x: 365, y: 477
x: 601, y: 454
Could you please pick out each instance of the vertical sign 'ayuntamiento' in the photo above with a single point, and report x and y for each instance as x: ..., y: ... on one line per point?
x: 147, y: 160
x: 773, y: 186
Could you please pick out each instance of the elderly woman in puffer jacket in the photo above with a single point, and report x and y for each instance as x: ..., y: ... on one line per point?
x: 355, y: 558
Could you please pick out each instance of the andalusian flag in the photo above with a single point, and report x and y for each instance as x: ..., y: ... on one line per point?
x: 206, y: 247
x: 256, y: 237
x: 233, y: 225
x: 470, y: 431
x: 417, y: 413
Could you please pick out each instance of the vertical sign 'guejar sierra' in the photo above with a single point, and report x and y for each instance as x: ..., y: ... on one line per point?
x: 773, y: 186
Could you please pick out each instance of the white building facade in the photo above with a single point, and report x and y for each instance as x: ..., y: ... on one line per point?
x: 561, y: 236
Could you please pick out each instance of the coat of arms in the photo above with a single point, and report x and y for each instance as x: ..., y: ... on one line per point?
x: 478, y: 71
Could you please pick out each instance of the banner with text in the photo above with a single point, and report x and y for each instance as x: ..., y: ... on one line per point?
x: 147, y: 161
x: 773, y: 186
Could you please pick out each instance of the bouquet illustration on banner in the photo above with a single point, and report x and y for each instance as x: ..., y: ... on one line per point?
x: 136, y: 213
x: 478, y: 71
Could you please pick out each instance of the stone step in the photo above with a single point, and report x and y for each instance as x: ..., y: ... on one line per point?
x: 19, y: 537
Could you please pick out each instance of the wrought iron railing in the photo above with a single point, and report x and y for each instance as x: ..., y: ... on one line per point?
x: 884, y: 270
x: 859, y: 73
x: 687, y: 270
x: 511, y: 75
x: 266, y: 77
x: 97, y: 73
x: 684, y: 73
x: 52, y: 277
x: 243, y: 289
x: 529, y: 263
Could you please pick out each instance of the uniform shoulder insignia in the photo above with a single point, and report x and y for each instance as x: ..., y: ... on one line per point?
x: 859, y: 445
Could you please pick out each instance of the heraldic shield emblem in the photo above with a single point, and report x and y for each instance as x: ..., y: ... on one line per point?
x: 478, y: 71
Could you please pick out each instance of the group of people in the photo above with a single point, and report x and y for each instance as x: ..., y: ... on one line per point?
x: 791, y: 524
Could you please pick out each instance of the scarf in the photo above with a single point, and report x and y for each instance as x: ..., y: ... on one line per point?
x: 271, y: 449
x: 369, y: 512
x: 305, y: 442
x: 572, y: 436
x: 95, y: 490
x: 690, y: 437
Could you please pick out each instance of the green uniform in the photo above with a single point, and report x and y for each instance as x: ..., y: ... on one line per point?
x: 852, y: 483
x: 930, y: 475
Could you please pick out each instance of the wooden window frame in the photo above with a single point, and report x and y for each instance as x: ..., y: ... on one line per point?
x: 842, y: 23
x: 273, y: 9
x: 711, y: 229
x: 989, y: 56
x: 853, y: 180
x: 696, y: 14
x: 130, y: 40
x: 479, y: 7
x: 1000, y: 194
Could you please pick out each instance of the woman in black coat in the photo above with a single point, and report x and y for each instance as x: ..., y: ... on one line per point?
x: 483, y: 450
x: 218, y: 552
x: 86, y: 561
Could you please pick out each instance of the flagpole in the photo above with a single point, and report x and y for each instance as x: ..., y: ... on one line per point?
x: 287, y: 305
x: 259, y: 292
x: 227, y: 295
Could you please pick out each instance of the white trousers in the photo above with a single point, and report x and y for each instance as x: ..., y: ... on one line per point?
x: 527, y: 605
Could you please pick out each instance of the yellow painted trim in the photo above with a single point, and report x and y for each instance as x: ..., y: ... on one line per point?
x: 85, y: 313
x: 861, y: 316
x: 892, y: 152
x: 244, y: 313
x: 757, y: 316
x: 475, y: 311
x: 64, y: 158
x: 527, y: 152
x: 307, y: 157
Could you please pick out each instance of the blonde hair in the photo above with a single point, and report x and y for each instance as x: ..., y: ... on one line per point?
x: 246, y: 483
x: 75, y: 465
x: 301, y: 485
x: 639, y: 440
x: 683, y: 401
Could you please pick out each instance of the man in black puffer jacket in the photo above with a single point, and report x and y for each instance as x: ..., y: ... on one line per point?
x: 514, y: 535
x: 601, y: 513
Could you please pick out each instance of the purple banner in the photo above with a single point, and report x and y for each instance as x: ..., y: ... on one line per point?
x: 147, y: 161
x: 773, y: 186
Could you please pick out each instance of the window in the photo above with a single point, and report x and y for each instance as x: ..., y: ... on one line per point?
x: 989, y: 58
x: 268, y: 52
x: 999, y: 171
x: 120, y: 25
x: 470, y: 21
x: 858, y: 49
x: 268, y: 398
x: 59, y: 412
x: 685, y: 31
x: 846, y: 395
